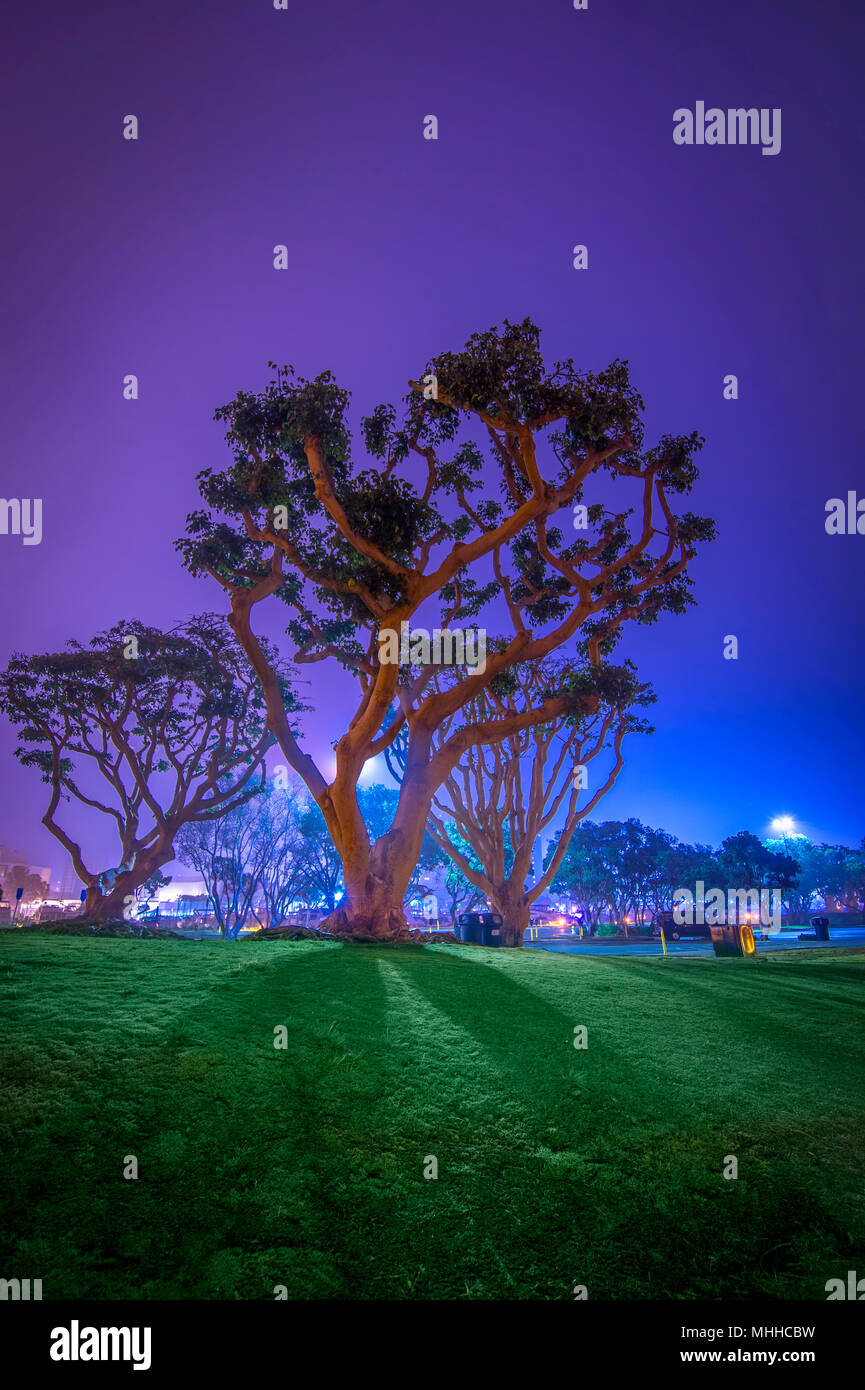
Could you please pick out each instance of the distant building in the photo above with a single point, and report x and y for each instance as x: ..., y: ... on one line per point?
x: 176, y: 889
x: 192, y: 905
x: 69, y: 885
x: 425, y: 905
x: 182, y: 898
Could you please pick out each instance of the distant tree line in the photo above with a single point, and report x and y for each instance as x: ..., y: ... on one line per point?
x: 622, y: 870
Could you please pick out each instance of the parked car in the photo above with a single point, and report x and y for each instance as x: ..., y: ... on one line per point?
x: 674, y: 932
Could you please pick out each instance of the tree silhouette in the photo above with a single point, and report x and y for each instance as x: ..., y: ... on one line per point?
x: 152, y: 729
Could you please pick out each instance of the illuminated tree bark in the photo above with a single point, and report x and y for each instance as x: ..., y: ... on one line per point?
x: 353, y: 554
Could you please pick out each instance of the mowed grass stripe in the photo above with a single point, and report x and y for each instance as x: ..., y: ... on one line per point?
x: 303, y: 1167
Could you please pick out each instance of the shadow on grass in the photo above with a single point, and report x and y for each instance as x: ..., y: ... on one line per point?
x: 262, y: 1166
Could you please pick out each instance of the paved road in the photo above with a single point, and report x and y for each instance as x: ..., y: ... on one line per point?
x: 785, y: 941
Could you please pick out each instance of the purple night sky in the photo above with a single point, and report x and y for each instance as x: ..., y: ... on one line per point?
x: 261, y: 126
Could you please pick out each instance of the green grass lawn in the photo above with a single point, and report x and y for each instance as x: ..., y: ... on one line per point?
x: 304, y: 1167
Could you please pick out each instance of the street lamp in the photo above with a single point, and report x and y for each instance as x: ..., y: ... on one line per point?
x: 784, y: 826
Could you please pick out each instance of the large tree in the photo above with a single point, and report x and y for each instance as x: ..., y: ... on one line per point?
x: 150, y: 729
x: 504, y: 796
x: 446, y: 526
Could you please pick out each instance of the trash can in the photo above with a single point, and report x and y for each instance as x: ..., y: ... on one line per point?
x: 491, y: 930
x: 821, y: 928
x: 481, y: 928
x: 733, y: 939
x: 468, y: 932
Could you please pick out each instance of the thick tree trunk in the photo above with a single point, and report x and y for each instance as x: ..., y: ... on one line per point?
x: 376, y: 878
x: 372, y: 908
x: 516, y: 914
x: 373, y: 916
x: 109, y: 907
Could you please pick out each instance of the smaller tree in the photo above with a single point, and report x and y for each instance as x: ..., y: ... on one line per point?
x: 800, y: 897
x: 582, y: 876
x: 260, y: 858
x: 283, y: 872
x: 611, y: 866
x: 839, y: 876
x: 153, y: 730
x: 502, y: 797
x: 648, y: 871
x: 224, y: 852
x: 146, y: 894
x: 683, y: 866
